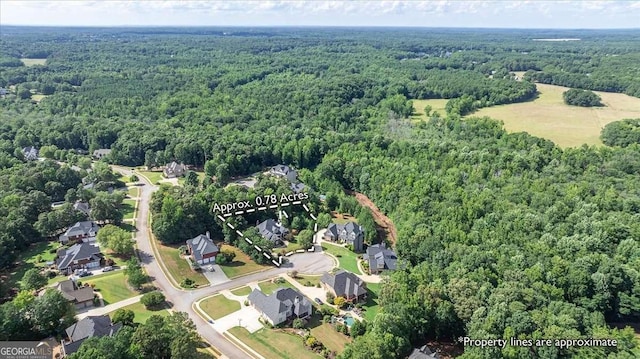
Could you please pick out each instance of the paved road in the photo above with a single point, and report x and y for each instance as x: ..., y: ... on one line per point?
x: 182, y: 300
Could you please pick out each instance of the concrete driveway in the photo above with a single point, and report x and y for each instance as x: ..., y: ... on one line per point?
x: 215, y: 276
x: 247, y: 317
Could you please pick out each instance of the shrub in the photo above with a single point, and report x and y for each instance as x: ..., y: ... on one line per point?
x: 279, y: 280
x: 308, y: 284
x: 317, y: 285
x: 326, y: 319
x: 246, y: 303
x: 297, y: 323
x: 340, y: 302
x: 152, y: 299
x: 187, y: 283
x: 330, y: 297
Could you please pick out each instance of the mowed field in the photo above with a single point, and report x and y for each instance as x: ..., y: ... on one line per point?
x: 568, y: 126
x: 32, y: 62
x: 437, y: 105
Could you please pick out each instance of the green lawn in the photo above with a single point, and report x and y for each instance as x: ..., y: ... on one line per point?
x: 113, y: 287
x: 201, y: 176
x: 218, y: 306
x: 29, y: 259
x: 327, y: 335
x: 371, y: 306
x: 177, y: 266
x: 267, y: 287
x: 241, y: 265
x: 272, y: 343
x: 128, y: 208
x: 142, y: 313
x: 437, y: 105
x: 133, y: 191
x: 346, y: 258
x: 154, y: 177
x: 242, y: 291
x: 306, y: 279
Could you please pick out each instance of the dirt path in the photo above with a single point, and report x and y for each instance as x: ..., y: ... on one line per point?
x: 381, y: 219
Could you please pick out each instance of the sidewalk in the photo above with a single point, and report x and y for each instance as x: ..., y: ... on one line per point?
x: 109, y: 308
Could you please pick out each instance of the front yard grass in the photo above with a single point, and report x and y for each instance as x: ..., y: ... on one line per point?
x: 113, y: 287
x: 241, y: 265
x: 29, y: 259
x: 153, y: 177
x: 327, y: 335
x: 347, y: 259
x: 177, y: 266
x: 371, y: 306
x: 133, y: 191
x: 218, y: 306
x: 128, y: 208
x: 268, y: 287
x: 308, y: 280
x: 272, y: 343
x: 246, y: 290
x: 142, y: 313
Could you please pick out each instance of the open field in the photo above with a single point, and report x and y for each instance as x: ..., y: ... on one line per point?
x: 437, y: 105
x: 218, y: 306
x: 112, y: 287
x: 177, y: 266
x: 241, y: 264
x: 29, y: 259
x: 38, y: 97
x: 272, y: 343
x: 268, y: 287
x: 568, y: 126
x: 142, y: 313
x: 32, y: 62
x: 347, y: 259
x: 327, y: 335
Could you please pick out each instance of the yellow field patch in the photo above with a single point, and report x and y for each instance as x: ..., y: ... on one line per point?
x: 32, y: 62
x: 436, y: 105
x: 568, y: 126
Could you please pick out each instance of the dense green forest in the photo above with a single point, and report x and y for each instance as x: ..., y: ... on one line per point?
x: 504, y: 235
x: 583, y: 98
x: 622, y: 133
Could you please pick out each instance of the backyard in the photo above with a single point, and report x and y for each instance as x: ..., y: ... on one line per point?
x: 113, y: 287
x: 272, y: 343
x: 371, y: 306
x: 36, y: 256
x: 347, y: 259
x: 218, y: 306
x: 327, y: 335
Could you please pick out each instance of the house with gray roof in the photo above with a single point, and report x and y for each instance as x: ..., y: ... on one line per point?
x: 350, y: 233
x: 79, y: 256
x: 30, y: 153
x: 174, y: 170
x: 272, y: 231
x: 80, y: 297
x: 202, y: 249
x: 83, y: 207
x: 281, y: 305
x: 285, y: 172
x: 423, y: 353
x: 381, y: 259
x: 91, y: 326
x: 84, y: 231
x: 100, y: 153
x: 344, y: 284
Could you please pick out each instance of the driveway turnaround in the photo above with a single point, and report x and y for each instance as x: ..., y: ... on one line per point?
x: 246, y: 317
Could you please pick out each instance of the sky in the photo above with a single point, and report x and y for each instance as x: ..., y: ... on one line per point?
x: 458, y: 13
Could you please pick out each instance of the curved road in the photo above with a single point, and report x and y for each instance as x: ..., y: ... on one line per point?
x: 182, y: 300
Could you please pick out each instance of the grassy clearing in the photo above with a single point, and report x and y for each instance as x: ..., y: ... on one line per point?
x: 568, y: 126
x: 272, y: 343
x: 241, y: 265
x: 113, y: 287
x: 342, y: 218
x: 347, y: 259
x: 218, y: 306
x: 308, y: 279
x: 437, y: 105
x: 371, y: 306
x: 29, y: 259
x: 242, y: 291
x: 133, y: 192
x: 153, y: 177
x: 327, y: 335
x: 142, y: 313
x: 38, y: 97
x: 177, y: 266
x: 128, y: 208
x: 33, y: 62
x: 268, y: 287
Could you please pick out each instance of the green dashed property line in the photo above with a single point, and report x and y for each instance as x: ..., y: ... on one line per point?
x: 285, y: 204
